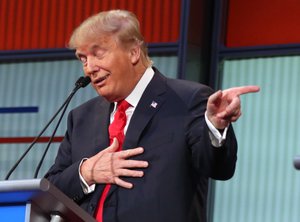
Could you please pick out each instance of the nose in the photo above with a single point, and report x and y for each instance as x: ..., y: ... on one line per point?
x: 92, y: 66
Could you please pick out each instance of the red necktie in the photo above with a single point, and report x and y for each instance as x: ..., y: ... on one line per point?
x: 116, y: 129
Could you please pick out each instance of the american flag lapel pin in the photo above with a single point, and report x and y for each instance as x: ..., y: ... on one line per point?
x: 154, y: 104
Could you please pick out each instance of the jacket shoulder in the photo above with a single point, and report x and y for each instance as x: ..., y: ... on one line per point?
x: 91, y: 104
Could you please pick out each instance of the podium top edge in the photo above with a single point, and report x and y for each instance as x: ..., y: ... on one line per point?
x: 22, y: 185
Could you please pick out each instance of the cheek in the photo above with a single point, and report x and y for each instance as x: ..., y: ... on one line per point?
x: 85, y: 70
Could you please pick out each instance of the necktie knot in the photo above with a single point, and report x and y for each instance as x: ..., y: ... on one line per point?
x: 116, y: 128
x: 122, y: 105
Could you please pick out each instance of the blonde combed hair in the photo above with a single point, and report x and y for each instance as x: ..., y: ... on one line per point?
x: 122, y: 24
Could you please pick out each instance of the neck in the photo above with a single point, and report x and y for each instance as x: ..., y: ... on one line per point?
x: 140, y: 69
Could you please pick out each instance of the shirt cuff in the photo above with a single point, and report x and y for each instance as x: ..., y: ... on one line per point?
x: 85, y: 187
x: 217, y: 139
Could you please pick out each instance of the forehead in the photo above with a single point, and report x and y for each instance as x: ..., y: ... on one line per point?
x: 94, y: 43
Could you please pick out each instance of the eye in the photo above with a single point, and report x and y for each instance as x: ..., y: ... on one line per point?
x: 99, y: 53
x: 82, y: 59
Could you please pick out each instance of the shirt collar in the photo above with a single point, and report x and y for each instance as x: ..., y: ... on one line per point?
x: 136, y: 94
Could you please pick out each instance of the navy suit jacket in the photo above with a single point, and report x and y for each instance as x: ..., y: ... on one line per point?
x: 176, y: 144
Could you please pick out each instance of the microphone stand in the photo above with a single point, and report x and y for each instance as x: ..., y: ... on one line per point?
x: 51, y: 138
x: 81, y: 82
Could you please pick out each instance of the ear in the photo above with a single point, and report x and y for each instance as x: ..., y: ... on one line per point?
x: 135, y: 54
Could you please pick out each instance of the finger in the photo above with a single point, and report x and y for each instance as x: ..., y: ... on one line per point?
x: 244, y: 89
x: 215, y: 97
x: 232, y: 109
x: 131, y: 152
x: 236, y: 117
x: 222, y: 123
x: 134, y: 164
x: 123, y: 183
x: 129, y: 164
x: 129, y: 173
x: 234, y: 106
x: 227, y: 119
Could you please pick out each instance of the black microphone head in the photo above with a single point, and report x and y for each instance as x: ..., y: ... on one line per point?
x: 83, y: 81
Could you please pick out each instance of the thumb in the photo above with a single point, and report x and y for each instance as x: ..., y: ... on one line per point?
x: 214, y: 98
x: 113, y: 146
x: 110, y: 149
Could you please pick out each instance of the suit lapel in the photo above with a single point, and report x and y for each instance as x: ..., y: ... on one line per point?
x: 151, y: 101
x: 101, y: 121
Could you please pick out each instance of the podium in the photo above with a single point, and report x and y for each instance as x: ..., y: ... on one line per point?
x: 37, y: 200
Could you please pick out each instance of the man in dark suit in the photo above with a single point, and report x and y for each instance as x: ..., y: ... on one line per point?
x: 177, y: 133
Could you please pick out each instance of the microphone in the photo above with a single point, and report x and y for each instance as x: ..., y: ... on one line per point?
x: 80, y: 83
x: 297, y: 162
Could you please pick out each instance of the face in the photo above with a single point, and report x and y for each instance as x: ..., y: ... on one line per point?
x: 110, y: 67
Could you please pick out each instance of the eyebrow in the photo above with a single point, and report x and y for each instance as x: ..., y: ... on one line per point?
x: 96, y: 47
x: 91, y: 49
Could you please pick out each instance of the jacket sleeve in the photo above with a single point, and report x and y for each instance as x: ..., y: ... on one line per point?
x: 209, y: 161
x: 64, y: 173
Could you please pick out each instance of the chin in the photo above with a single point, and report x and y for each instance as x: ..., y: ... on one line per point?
x: 105, y: 95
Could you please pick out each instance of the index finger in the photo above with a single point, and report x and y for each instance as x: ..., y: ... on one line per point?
x: 131, y: 152
x: 244, y: 89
